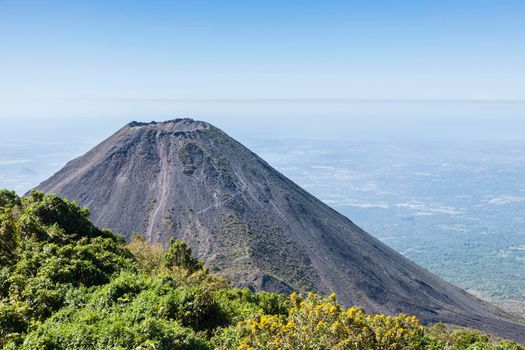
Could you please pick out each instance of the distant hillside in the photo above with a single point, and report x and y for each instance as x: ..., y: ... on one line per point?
x: 188, y: 180
x: 66, y: 284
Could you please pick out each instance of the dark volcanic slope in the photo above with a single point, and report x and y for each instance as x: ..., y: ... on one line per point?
x: 189, y: 180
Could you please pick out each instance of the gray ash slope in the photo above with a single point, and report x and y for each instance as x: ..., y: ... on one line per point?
x: 189, y: 180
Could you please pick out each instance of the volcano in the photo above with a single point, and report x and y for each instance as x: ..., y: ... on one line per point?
x: 189, y: 180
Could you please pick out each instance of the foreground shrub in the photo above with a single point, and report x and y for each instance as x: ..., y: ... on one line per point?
x: 320, y: 323
x: 457, y: 338
x: 49, y: 249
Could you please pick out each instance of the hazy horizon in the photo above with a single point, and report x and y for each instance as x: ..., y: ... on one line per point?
x: 377, y: 70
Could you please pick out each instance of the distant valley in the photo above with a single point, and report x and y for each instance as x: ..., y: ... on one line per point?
x: 443, y: 205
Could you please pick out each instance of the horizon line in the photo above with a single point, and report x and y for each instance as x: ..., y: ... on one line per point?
x: 304, y: 100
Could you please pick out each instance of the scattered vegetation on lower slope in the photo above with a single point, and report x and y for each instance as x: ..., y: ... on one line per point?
x: 65, y: 284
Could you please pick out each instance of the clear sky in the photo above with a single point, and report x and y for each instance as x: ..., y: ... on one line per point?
x: 101, y: 58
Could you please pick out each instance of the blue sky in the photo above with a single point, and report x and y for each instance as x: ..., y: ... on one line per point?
x: 263, y: 49
x: 144, y: 59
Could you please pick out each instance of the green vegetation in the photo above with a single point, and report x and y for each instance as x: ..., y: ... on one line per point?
x: 65, y: 284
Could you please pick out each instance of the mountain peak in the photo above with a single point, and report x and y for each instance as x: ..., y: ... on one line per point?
x: 178, y: 124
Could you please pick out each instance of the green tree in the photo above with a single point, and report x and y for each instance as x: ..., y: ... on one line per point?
x: 179, y: 254
x: 8, y: 198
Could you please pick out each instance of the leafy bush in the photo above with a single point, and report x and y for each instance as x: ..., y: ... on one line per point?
x: 48, y: 248
x: 320, y: 323
x: 456, y: 338
x: 179, y: 254
x: 8, y: 198
x: 133, y: 310
x: 149, y: 256
x: 12, y: 321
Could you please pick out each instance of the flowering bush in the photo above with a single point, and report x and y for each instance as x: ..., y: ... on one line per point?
x: 319, y: 323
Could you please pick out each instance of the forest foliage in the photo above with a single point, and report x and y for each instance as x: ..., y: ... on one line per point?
x: 66, y: 284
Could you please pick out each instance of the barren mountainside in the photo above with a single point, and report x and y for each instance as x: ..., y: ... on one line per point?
x: 189, y: 180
